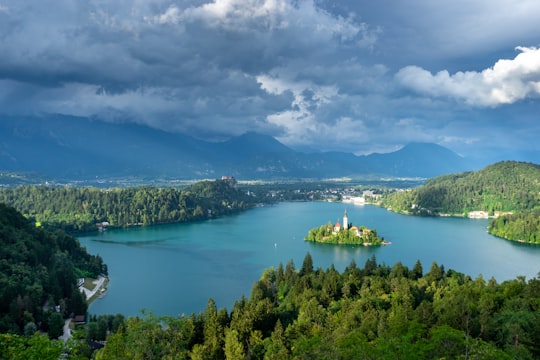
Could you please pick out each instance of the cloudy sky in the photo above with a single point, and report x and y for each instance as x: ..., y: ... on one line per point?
x: 358, y: 76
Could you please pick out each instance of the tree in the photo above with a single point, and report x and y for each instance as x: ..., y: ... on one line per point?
x: 213, y: 331
x: 307, y: 265
x: 78, y: 304
x: 234, y: 350
x: 275, y: 345
x: 30, y: 329
x: 447, y: 342
x: 417, y: 271
x: 92, y: 331
x: 371, y: 265
x: 115, y: 349
x: 37, y: 347
x: 56, y: 325
x: 435, y: 273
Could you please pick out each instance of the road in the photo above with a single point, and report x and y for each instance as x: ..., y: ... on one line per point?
x: 90, y: 293
x: 67, y: 330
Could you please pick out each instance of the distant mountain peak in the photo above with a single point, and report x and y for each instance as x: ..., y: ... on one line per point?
x: 70, y: 148
x: 252, y: 140
x: 425, y: 146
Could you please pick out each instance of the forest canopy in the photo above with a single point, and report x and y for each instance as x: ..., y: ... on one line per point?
x: 80, y: 209
x: 374, y: 312
x: 39, y: 271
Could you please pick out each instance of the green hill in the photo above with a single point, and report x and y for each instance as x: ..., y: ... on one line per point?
x: 38, y: 271
x: 79, y: 209
x: 497, y: 190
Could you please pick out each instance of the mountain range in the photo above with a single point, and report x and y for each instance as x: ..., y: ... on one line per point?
x: 80, y: 148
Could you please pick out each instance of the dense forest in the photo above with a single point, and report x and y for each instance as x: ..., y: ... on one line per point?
x: 499, y: 189
x: 374, y: 312
x: 39, y: 271
x: 79, y: 209
x: 378, y: 312
x: 523, y: 226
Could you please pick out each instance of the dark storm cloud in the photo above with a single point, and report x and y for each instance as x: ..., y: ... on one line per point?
x: 356, y: 76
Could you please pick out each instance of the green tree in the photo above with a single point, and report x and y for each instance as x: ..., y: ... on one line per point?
x: 234, y: 350
x: 417, y: 271
x: 275, y: 345
x: 37, y: 347
x: 30, y: 329
x: 307, y: 265
x: 56, y: 325
x: 213, y: 332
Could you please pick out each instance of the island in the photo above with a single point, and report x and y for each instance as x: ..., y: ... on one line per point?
x: 346, y: 234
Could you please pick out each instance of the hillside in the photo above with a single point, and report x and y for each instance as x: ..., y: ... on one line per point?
x: 39, y: 268
x: 70, y: 148
x: 504, y: 187
x: 522, y: 226
x: 79, y: 209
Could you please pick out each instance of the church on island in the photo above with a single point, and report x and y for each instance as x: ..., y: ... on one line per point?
x: 338, y: 227
x: 345, y: 233
x: 346, y: 226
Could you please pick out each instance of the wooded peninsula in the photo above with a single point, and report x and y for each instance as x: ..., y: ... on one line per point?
x: 508, y: 192
x: 86, y: 209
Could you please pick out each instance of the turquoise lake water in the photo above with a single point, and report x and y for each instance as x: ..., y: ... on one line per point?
x: 174, y: 269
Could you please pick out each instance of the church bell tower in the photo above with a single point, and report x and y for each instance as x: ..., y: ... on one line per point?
x: 345, y: 220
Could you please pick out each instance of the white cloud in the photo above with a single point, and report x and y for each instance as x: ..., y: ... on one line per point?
x: 300, y: 121
x: 506, y: 82
x: 171, y: 16
x: 252, y: 16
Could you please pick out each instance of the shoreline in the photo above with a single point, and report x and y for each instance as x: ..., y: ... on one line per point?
x: 99, y: 286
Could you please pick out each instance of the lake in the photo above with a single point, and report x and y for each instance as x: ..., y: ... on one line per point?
x: 174, y: 269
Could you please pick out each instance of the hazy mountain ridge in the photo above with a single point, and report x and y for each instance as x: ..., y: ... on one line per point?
x: 85, y: 148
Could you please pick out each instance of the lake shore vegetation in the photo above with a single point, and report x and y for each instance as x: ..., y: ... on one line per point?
x: 508, y: 192
x: 88, y: 209
x: 38, y: 275
x: 374, y: 312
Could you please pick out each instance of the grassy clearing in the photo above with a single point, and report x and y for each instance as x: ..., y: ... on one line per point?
x: 89, y: 284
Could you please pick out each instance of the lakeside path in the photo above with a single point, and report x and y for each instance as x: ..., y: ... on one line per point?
x: 67, y: 330
x: 98, y: 284
x: 88, y: 293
